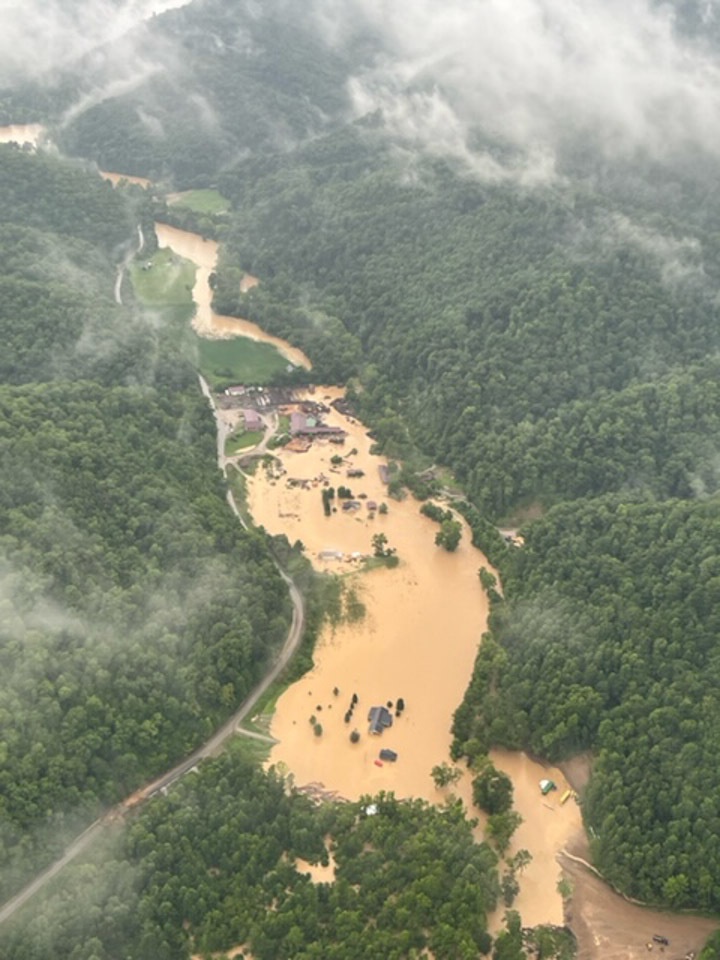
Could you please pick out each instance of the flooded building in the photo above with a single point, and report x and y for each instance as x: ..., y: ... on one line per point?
x: 379, y: 718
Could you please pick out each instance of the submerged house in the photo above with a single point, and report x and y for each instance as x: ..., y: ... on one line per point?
x: 302, y: 425
x: 379, y: 718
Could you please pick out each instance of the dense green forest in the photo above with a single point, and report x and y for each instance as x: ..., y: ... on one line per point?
x: 213, y: 865
x: 202, y: 85
x: 135, y: 613
x: 554, y: 343
x: 551, y: 345
x: 543, y: 324
x: 607, y: 640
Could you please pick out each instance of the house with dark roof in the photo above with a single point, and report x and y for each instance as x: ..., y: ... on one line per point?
x: 379, y: 718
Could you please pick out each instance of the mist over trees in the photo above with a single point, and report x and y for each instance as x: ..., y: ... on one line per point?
x: 134, y: 614
x: 509, y: 246
x: 214, y: 865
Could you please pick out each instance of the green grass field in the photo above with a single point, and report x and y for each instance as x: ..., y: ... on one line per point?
x: 202, y: 201
x: 166, y: 282
x: 224, y: 362
x: 242, y: 441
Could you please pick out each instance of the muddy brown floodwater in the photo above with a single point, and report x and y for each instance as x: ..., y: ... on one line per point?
x: 116, y: 178
x: 417, y: 640
x: 206, y: 322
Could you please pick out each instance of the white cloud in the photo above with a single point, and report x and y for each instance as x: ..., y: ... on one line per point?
x: 37, y: 35
x: 679, y: 259
x: 530, y: 72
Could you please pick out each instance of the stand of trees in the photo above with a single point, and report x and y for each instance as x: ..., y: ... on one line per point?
x: 526, y: 338
x: 134, y: 612
x: 607, y: 641
x: 213, y: 865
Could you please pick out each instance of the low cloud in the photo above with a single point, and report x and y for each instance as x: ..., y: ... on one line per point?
x: 40, y: 35
x: 679, y: 259
x: 534, y: 74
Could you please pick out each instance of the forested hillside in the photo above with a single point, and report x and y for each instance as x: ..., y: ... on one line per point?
x: 135, y: 613
x: 188, y: 92
x: 549, y: 349
x: 547, y: 328
x: 539, y: 341
x: 213, y: 866
x: 607, y: 640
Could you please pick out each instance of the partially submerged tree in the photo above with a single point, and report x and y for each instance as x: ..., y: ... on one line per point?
x: 444, y: 775
x: 449, y: 534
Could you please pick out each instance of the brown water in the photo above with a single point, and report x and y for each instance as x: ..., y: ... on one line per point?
x: 418, y: 641
x: 206, y: 322
x: 22, y: 133
x: 116, y: 178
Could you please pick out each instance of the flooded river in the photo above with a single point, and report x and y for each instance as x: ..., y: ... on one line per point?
x: 418, y: 641
x: 206, y: 322
x: 116, y: 178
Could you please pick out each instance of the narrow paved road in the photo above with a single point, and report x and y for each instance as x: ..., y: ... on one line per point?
x: 209, y: 748
x: 122, y: 267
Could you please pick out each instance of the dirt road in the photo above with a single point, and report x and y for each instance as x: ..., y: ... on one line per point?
x: 608, y: 927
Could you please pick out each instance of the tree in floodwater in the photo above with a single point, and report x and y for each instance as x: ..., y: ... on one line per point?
x: 449, y: 534
x: 445, y: 775
x: 382, y: 550
x: 492, y: 790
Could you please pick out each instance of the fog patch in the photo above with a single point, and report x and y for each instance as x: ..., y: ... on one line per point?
x: 426, y: 120
x: 535, y: 73
x: 42, y: 35
x: 679, y: 260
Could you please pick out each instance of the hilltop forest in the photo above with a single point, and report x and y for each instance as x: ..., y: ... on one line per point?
x: 554, y: 342
x: 560, y: 358
x: 134, y: 616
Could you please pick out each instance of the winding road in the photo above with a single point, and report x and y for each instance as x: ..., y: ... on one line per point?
x: 122, y: 267
x: 211, y: 746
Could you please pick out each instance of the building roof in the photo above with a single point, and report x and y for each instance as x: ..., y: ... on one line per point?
x: 252, y: 419
x: 379, y: 718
